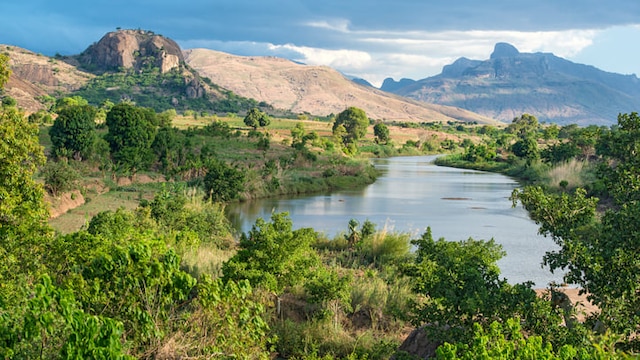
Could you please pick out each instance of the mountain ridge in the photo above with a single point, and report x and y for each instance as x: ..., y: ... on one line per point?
x: 511, y: 83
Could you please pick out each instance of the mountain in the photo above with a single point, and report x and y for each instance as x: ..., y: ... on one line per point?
x: 135, y: 65
x: 317, y: 90
x: 153, y: 71
x: 511, y: 83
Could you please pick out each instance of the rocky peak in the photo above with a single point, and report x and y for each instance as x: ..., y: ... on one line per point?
x: 132, y: 49
x: 504, y: 50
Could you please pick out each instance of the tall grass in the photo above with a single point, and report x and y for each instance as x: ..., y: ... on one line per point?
x: 571, y: 171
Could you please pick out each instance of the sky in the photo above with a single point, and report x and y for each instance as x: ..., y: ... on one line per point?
x: 369, y: 39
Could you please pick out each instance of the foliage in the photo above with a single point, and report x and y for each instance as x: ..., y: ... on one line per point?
x: 223, y: 182
x: 59, y: 177
x: 134, y: 285
x: 160, y: 92
x: 5, y: 70
x: 131, y: 132
x: 23, y: 213
x: 461, y: 285
x: 51, y: 324
x: 226, y: 322
x: 599, y: 255
x: 507, y: 341
x: 381, y: 132
x: 255, y: 118
x: 272, y: 255
x: 355, y: 122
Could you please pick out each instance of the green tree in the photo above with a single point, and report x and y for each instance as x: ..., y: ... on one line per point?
x: 355, y: 122
x: 255, y: 118
x: 59, y: 177
x: 23, y: 213
x: 461, y: 284
x: 381, y: 132
x: 272, y: 255
x: 5, y: 70
x: 523, y: 126
x: 223, y: 182
x: 73, y: 132
x: 131, y: 132
x: 526, y: 148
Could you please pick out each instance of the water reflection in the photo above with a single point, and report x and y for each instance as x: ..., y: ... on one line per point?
x: 412, y: 194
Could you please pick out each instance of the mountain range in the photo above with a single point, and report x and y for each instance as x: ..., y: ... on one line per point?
x: 511, y: 83
x: 490, y: 91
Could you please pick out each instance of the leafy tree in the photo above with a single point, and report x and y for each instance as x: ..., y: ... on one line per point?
x: 461, y: 285
x: 255, y: 118
x: 599, y: 255
x: 272, y: 255
x: 524, y: 126
x: 52, y: 324
x: 131, y: 132
x: 621, y: 147
x: 73, y: 132
x: 560, y: 152
x: 23, y: 213
x: 526, y: 148
x: 5, y: 70
x: 59, y: 177
x: 507, y: 342
x: 355, y: 122
x: 381, y: 131
x: 223, y: 182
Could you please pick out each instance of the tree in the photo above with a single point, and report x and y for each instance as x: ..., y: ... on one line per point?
x: 23, y: 213
x: 355, y: 122
x: 59, y: 177
x: 131, y: 132
x: 461, y: 285
x: 256, y: 118
x: 5, y: 70
x: 73, y: 132
x: 526, y: 148
x: 223, y: 182
x: 381, y: 131
x: 272, y: 255
x: 524, y: 125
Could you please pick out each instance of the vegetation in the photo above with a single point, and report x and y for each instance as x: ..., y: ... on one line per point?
x: 167, y: 279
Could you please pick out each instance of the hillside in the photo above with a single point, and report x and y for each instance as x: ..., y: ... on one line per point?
x: 35, y: 75
x: 511, y: 83
x: 316, y: 90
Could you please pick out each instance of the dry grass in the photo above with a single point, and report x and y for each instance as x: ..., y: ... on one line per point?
x: 206, y: 259
x: 570, y: 171
x: 76, y: 218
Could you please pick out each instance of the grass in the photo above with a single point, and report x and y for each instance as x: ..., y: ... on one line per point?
x: 571, y: 171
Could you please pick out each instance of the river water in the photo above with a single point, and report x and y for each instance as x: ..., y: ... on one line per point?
x: 411, y: 194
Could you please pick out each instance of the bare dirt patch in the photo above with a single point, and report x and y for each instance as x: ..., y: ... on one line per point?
x: 63, y: 203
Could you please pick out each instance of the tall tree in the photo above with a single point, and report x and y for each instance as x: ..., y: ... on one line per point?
x: 355, y: 122
x: 131, y: 132
x: 600, y: 253
x: 381, y: 131
x: 74, y: 131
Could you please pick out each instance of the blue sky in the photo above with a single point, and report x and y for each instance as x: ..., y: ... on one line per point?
x: 369, y: 39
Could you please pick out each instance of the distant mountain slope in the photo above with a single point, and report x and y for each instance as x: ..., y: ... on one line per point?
x: 35, y: 75
x: 511, y: 83
x: 317, y: 90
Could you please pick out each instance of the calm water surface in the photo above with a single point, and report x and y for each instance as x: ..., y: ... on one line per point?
x: 412, y: 194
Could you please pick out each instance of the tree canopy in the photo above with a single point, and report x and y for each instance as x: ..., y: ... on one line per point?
x: 355, y: 122
x: 132, y: 130
x: 73, y: 132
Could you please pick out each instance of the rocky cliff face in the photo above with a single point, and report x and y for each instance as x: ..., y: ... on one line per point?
x: 135, y: 49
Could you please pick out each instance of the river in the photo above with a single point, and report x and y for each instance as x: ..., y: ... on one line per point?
x: 413, y: 193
